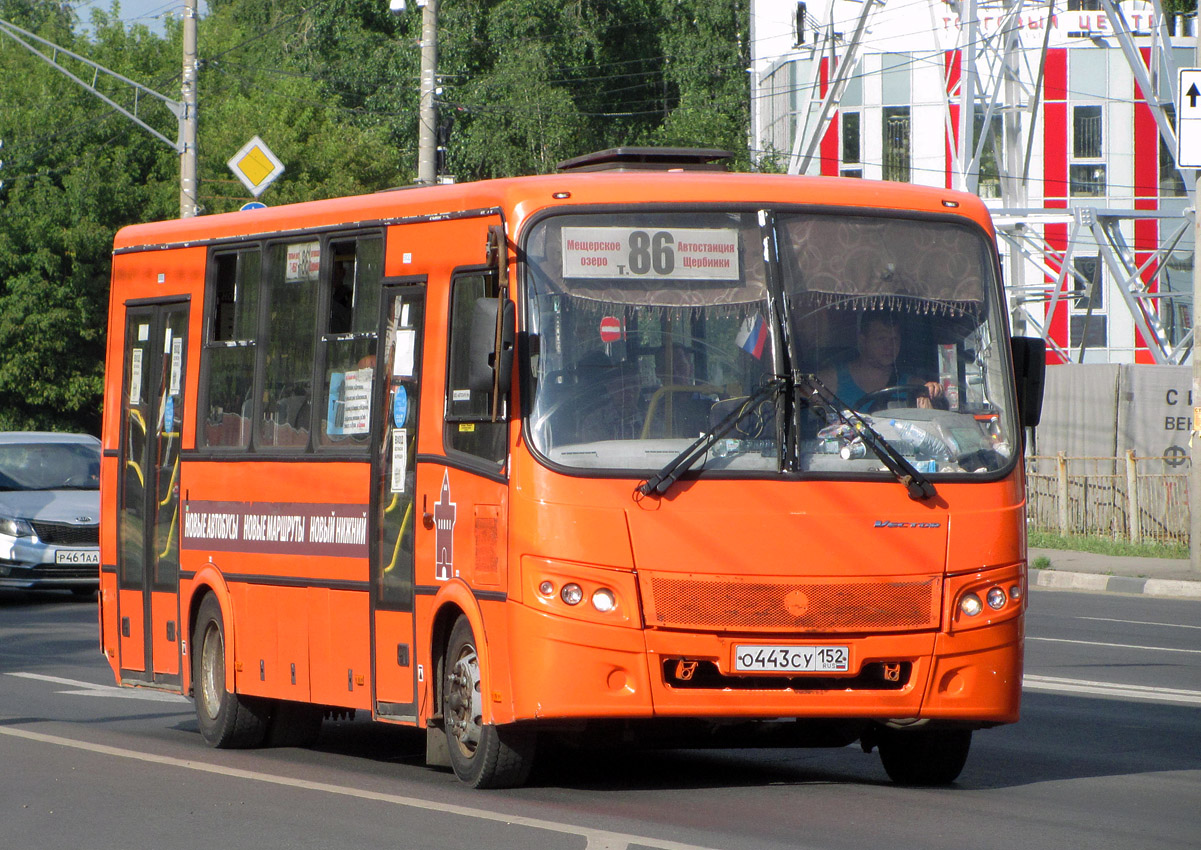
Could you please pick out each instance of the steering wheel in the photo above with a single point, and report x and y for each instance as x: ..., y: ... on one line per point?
x: 907, y: 392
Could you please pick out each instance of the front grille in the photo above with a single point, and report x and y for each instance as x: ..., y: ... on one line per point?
x: 64, y: 534
x: 705, y: 676
x: 719, y: 603
x: 57, y: 571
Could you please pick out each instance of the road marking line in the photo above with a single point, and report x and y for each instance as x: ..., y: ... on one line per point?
x: 596, y: 839
x: 1110, y: 689
x: 1116, y: 645
x: 90, y: 689
x: 1137, y: 622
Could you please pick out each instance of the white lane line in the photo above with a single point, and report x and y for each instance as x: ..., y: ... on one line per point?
x: 90, y: 689
x: 1116, y: 645
x: 1112, y: 690
x: 596, y: 839
x: 1138, y: 622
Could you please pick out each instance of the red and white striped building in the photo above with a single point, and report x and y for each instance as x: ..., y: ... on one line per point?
x: 1076, y: 161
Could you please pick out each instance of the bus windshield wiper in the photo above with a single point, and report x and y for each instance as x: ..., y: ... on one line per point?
x: 820, y: 397
x: 661, y: 481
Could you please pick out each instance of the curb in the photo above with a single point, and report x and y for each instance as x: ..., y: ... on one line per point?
x: 1094, y: 583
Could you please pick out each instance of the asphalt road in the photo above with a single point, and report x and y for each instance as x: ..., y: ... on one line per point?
x: 1107, y: 755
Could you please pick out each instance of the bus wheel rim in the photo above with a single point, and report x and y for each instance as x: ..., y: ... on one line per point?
x: 212, y: 680
x: 464, y: 701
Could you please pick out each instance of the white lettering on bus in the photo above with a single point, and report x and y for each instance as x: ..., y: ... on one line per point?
x: 351, y: 530
x: 201, y: 525
x: 321, y: 529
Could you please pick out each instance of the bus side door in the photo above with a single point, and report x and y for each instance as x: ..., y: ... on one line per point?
x: 148, y: 515
x: 393, y: 500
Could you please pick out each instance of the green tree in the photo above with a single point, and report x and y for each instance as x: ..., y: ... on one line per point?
x: 332, y: 88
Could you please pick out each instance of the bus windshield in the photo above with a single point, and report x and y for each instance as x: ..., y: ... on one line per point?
x: 650, y: 327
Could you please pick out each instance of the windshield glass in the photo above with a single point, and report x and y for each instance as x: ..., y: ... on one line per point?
x: 49, y: 466
x: 649, y: 327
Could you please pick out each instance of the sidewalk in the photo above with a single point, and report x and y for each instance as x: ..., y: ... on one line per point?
x: 1070, y: 570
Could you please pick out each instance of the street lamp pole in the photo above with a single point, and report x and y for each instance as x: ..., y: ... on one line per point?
x: 188, y: 205
x: 427, y: 141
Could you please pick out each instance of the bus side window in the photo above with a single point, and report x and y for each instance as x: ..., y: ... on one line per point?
x: 290, y: 345
x: 349, y: 342
x: 229, y: 350
x: 469, y: 428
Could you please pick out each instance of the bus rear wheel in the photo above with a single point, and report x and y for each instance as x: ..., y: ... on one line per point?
x: 924, y: 756
x: 482, y: 755
x: 227, y: 720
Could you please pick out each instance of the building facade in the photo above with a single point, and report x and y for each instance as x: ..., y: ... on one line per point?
x: 1037, y: 107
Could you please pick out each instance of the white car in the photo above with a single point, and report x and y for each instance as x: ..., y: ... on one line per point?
x: 49, y: 511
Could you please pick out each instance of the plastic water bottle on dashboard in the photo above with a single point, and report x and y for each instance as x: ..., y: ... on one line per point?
x: 924, y: 444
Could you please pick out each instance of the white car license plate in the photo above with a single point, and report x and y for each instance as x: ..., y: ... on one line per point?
x: 792, y: 659
x: 85, y: 557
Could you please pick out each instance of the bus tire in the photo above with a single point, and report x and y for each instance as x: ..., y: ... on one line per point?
x: 482, y: 755
x: 924, y: 756
x: 294, y: 724
x: 227, y: 720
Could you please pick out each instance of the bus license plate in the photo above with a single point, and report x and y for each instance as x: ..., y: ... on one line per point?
x: 85, y: 557
x: 792, y: 659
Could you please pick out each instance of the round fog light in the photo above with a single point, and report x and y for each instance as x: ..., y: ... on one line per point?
x: 996, y: 598
x: 971, y: 605
x: 1015, y: 592
x: 604, y: 600
x: 572, y: 594
x: 547, y: 588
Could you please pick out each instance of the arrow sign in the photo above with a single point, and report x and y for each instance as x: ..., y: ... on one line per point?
x: 1188, y: 118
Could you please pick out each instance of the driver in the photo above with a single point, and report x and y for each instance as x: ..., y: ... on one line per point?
x: 874, y: 368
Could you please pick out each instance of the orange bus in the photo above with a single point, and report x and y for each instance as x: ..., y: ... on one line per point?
x: 641, y: 448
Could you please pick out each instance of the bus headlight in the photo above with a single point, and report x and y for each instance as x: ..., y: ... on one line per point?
x: 603, y: 600
x: 996, y: 598
x: 572, y: 593
x: 971, y: 605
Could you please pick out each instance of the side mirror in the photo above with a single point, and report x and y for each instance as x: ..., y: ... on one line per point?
x: 1030, y: 374
x: 490, y: 364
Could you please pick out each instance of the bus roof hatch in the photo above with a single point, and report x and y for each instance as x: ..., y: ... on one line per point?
x: 650, y: 159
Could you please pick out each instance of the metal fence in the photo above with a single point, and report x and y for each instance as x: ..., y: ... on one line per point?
x: 1140, y: 499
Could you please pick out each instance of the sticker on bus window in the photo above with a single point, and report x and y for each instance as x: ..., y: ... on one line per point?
x: 674, y: 253
x: 349, y: 410
x: 135, y: 377
x: 405, y: 363
x: 176, y: 365
x: 143, y: 333
x: 356, y: 410
x: 303, y: 262
x: 400, y: 407
x: 400, y: 459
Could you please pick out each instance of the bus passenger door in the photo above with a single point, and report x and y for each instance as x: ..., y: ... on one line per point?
x: 148, y: 496
x: 393, y: 502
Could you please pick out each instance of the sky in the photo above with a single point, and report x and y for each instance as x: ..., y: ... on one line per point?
x: 148, y: 12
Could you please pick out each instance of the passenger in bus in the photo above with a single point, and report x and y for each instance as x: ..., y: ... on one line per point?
x: 872, y: 378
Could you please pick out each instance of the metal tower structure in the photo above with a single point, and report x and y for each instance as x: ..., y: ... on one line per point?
x: 997, y: 76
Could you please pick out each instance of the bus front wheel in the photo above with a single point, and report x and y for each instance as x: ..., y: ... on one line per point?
x: 482, y: 755
x: 924, y: 756
x: 226, y: 720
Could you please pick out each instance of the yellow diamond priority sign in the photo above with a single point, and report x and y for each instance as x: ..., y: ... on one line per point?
x: 255, y: 166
